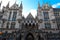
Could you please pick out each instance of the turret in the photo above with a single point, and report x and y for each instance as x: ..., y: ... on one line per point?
x: 38, y: 11
x: 21, y: 6
x: 20, y: 9
x: 39, y: 8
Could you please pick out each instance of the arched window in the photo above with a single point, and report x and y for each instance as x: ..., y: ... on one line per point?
x: 29, y: 24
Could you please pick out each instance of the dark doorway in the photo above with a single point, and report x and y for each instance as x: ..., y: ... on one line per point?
x: 40, y: 38
x: 29, y: 37
x: 19, y: 37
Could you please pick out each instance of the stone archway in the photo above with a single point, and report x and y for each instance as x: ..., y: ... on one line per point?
x: 29, y: 37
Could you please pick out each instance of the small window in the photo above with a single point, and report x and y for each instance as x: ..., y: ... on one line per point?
x: 12, y: 25
x: 47, y: 25
x: 56, y: 14
x: 0, y: 16
x: 9, y: 16
x: 58, y: 25
x: 7, y: 24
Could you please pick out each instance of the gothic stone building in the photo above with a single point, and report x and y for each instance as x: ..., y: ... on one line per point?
x: 14, y: 26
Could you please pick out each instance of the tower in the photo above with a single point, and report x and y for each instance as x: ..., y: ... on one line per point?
x: 21, y: 8
x: 20, y: 11
x: 40, y: 16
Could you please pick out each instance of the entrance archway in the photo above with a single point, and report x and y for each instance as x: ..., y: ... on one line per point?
x: 29, y: 37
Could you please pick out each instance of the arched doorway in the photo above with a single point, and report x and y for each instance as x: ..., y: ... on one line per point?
x: 29, y: 37
x: 40, y: 38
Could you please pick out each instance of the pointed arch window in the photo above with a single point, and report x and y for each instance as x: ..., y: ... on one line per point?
x: 9, y: 16
x: 14, y: 16
x: 7, y: 25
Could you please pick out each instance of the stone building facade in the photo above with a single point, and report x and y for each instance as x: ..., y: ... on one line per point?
x: 14, y: 26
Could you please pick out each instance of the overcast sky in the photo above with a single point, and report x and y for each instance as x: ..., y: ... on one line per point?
x: 31, y: 5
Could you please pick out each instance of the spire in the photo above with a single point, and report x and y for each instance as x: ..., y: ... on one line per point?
x: 15, y: 2
x: 8, y: 4
x: 21, y: 6
x: 38, y: 4
x: 0, y: 3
